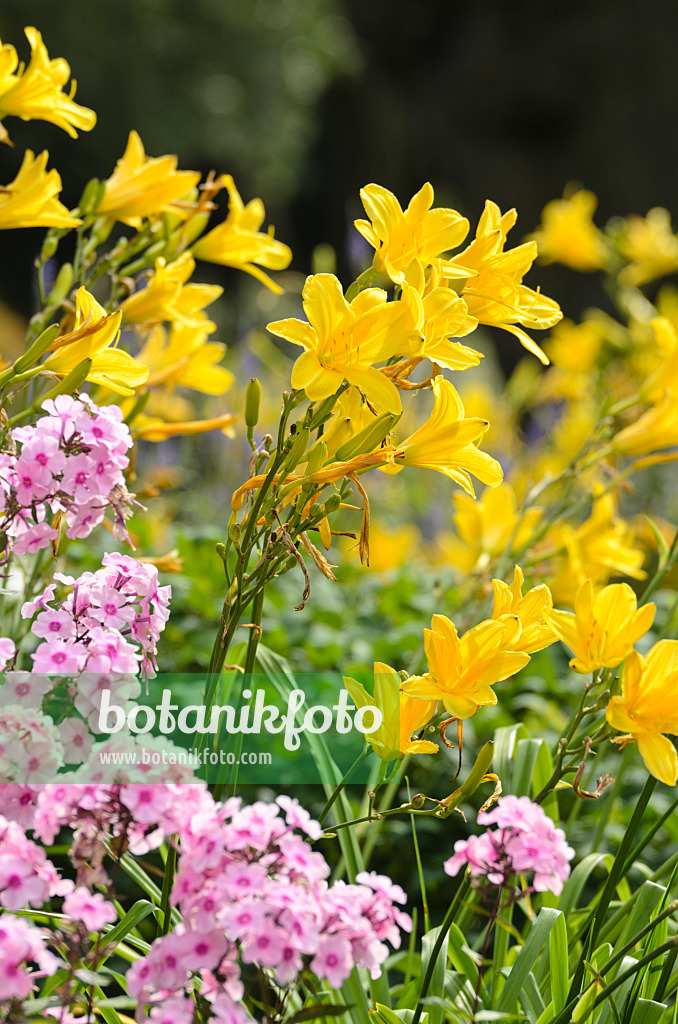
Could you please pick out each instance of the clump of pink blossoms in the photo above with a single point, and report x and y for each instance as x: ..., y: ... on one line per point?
x: 525, y: 839
x: 20, y: 944
x: 91, y: 631
x: 251, y: 890
x: 70, y: 461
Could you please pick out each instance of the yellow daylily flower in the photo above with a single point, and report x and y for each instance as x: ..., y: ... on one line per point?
x: 30, y: 200
x: 142, y: 186
x: 603, y: 546
x: 36, y: 92
x: 655, y: 429
x: 185, y: 358
x: 531, y: 610
x: 496, y: 295
x: 647, y: 708
x: 343, y: 340
x: 485, y: 528
x: 418, y: 233
x: 154, y: 429
x: 238, y: 242
x: 568, y: 235
x: 169, y: 296
x: 402, y: 716
x: 393, y: 546
x: 462, y: 670
x: 93, y: 336
x: 604, y: 626
x: 650, y: 246
x: 446, y: 443
x: 439, y: 314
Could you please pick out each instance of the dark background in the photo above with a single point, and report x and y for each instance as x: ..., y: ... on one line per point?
x: 304, y: 101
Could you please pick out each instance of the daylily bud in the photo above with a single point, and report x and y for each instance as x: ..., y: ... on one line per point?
x: 194, y: 227
x: 252, y: 403
x: 585, y: 1004
x: 234, y: 534
x: 37, y: 349
x: 92, y: 195
x: 221, y: 549
x: 62, y: 285
x: 332, y: 504
x: 317, y: 457
x: 367, y: 439
x: 299, y: 446
x: 69, y: 384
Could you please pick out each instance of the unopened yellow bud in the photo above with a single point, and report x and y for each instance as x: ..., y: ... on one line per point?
x: 234, y: 534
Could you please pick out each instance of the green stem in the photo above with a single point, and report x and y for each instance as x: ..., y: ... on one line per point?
x: 250, y: 659
x: 444, y: 929
x: 339, y: 789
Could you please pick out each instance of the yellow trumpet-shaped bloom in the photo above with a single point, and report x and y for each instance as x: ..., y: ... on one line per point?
x: 486, y: 527
x: 142, y: 186
x: 150, y: 428
x: 402, y: 716
x: 439, y: 314
x: 417, y: 233
x: 93, y: 336
x: 462, y: 670
x: 169, y: 296
x: 446, y: 443
x: 647, y: 708
x: 655, y: 429
x: 36, y: 92
x: 30, y: 201
x: 496, y: 295
x: 238, y: 242
x: 603, y: 546
x: 650, y: 246
x: 343, y: 340
x: 531, y: 610
x: 604, y: 626
x: 185, y: 358
x: 568, y: 235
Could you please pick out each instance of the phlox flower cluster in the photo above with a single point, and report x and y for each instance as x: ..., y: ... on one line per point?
x: 30, y: 747
x: 27, y: 876
x: 251, y: 890
x: 525, y: 839
x: 21, y: 943
x: 93, y: 629
x: 70, y: 461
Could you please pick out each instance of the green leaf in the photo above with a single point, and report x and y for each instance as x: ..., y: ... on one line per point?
x: 530, y: 998
x: 574, y: 886
x: 437, y: 983
x: 140, y: 910
x: 318, y: 1010
x: 525, y: 760
x: 536, y: 938
x: 646, y: 1011
x: 558, y: 963
x: 505, y: 740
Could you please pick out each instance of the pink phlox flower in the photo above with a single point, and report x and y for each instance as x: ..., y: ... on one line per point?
x: 91, y: 908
